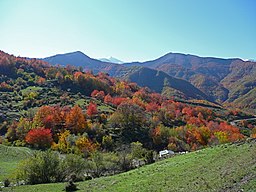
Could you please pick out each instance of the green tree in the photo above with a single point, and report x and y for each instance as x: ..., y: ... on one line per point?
x: 130, y: 123
x: 138, y: 152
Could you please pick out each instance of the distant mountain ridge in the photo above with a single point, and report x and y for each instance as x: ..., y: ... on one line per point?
x: 79, y: 59
x: 220, y: 80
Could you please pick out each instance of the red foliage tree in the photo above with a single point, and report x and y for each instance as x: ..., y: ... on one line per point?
x: 188, y: 111
x: 196, y: 121
x: 51, y: 117
x: 232, y: 132
x: 108, y: 99
x: 138, y: 101
x: 152, y: 107
x: 5, y: 87
x: 94, y: 93
x: 40, y: 138
x: 118, y: 100
x: 77, y: 74
x: 142, y: 94
x: 92, y: 109
x: 98, y: 94
x: 156, y: 98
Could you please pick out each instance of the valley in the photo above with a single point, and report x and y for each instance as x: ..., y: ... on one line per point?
x: 127, y: 95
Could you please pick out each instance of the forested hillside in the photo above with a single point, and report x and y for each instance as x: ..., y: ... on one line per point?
x: 102, y: 119
x: 38, y: 95
x: 224, y: 80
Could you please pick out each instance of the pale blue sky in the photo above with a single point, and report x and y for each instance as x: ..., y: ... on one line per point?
x: 129, y: 29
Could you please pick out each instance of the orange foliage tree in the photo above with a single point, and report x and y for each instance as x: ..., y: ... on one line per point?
x: 75, y: 120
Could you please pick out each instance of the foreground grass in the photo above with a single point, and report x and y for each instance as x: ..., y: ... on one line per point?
x: 223, y: 168
x: 9, y: 159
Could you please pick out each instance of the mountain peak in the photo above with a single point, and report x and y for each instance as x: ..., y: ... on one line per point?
x: 76, y: 53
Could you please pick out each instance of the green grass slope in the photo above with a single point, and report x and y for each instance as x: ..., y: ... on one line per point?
x: 229, y: 167
x: 9, y: 159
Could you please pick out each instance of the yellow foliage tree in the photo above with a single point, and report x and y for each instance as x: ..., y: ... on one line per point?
x: 85, y: 145
x: 63, y: 144
x: 221, y: 136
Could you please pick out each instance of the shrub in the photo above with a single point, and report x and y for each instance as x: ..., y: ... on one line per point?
x: 107, y: 142
x: 39, y: 168
x: 103, y: 164
x: 48, y: 167
x: 71, y: 166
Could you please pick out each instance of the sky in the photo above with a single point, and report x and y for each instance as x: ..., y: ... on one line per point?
x: 130, y: 30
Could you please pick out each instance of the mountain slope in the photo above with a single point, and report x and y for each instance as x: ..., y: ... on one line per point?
x: 200, y: 71
x: 222, y: 168
x: 241, y: 79
x: 163, y: 83
x: 206, y: 65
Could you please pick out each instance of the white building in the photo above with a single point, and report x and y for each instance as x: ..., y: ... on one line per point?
x: 165, y: 153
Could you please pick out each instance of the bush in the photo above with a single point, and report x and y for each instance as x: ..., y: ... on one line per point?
x: 102, y: 164
x: 19, y: 143
x: 124, y: 160
x: 48, y: 167
x: 71, y: 166
x: 40, y: 168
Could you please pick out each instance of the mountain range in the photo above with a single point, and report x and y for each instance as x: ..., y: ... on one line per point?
x: 225, y: 81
